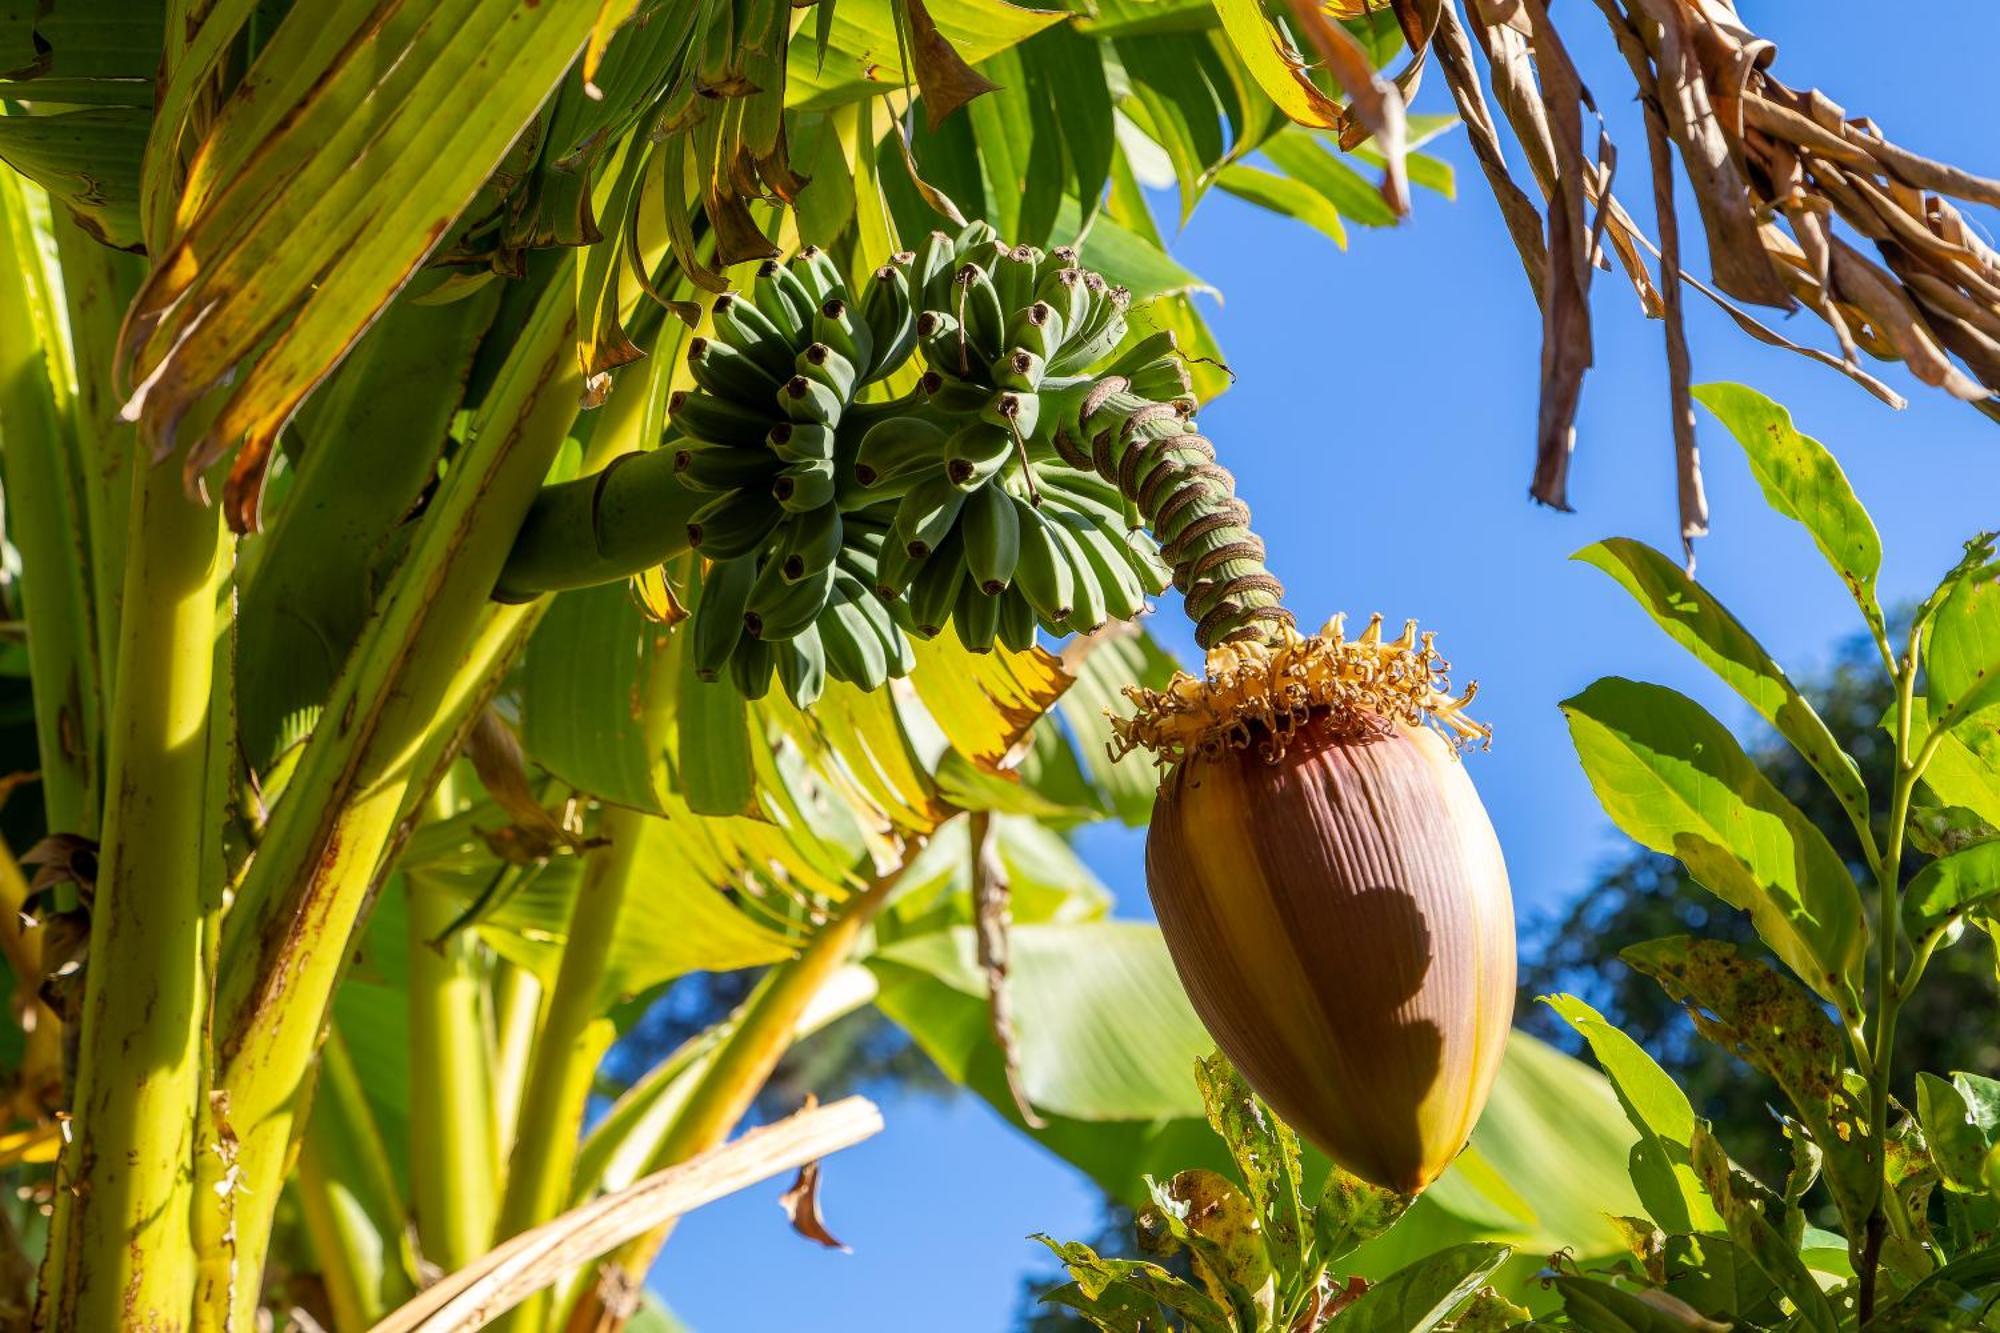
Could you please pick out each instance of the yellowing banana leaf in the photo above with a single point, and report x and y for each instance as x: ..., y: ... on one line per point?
x: 861, y: 57
x: 985, y: 703
x: 1108, y: 1044
x: 329, y: 208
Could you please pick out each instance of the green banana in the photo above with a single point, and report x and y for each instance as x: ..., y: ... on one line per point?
x: 1042, y: 572
x: 974, y: 452
x: 891, y: 317
x: 779, y: 610
x: 803, y: 487
x: 935, y: 589
x: 821, y: 275
x: 1087, y: 607
x: 976, y: 304
x: 812, y: 542
x: 840, y: 326
x: 802, y: 667
x: 750, y: 668
x: 831, y: 368
x: 1101, y: 329
x: 1020, y: 370
x: 1144, y: 558
x: 747, y: 329
x: 801, y: 441
x: 721, y: 370
x: 992, y: 529
x: 718, y: 616
x: 943, y: 341
x: 783, y: 299
x: 1014, y: 277
x: 1104, y: 548
x: 1063, y: 291
x: 811, y: 402
x: 896, y: 445
x: 926, y: 516
x: 930, y: 273
x: 734, y: 524
x: 854, y: 651
x: 710, y: 420
x: 894, y: 567
x: 1017, y: 620
x: 1015, y: 413
x: 1037, y: 329
x: 976, y: 617
x: 720, y: 468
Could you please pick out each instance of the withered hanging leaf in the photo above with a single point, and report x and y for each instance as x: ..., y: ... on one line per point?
x: 655, y: 597
x: 63, y: 858
x: 499, y: 761
x: 992, y: 918
x: 801, y: 1204
x: 1372, y: 99
x: 946, y: 81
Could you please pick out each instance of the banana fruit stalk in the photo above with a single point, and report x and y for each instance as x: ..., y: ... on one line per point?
x: 1332, y: 892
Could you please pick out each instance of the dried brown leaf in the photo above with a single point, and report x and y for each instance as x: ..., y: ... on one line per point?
x: 946, y: 81
x: 1372, y: 100
x: 801, y: 1205
x: 992, y: 919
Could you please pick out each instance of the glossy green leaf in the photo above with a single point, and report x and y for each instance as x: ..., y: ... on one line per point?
x: 1749, y: 1228
x: 1962, y: 649
x: 1958, y: 1144
x: 1602, y: 1308
x: 1422, y: 1296
x: 862, y: 57
x: 584, y: 701
x: 1802, y: 481
x: 1303, y: 157
x: 1283, y: 194
x: 1966, y: 881
x: 1694, y: 619
x: 1774, y: 1025
x: 1675, y: 780
x: 1276, y: 66
x: 1965, y: 770
x: 1658, y: 1110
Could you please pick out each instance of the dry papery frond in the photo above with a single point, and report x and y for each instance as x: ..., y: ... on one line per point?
x: 1778, y: 175
x: 1260, y: 693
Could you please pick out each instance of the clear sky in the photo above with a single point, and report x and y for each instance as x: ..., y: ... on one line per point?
x: 1381, y: 430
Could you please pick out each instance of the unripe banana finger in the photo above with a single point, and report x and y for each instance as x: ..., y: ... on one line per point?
x: 718, y: 615
x: 854, y: 651
x: 783, y: 299
x: 1087, y: 610
x: 992, y: 529
x: 820, y: 274
x: 840, y: 326
x: 750, y: 668
x: 976, y: 617
x: 1017, y: 621
x: 897, y: 444
x: 975, y: 452
x: 1042, y: 572
x: 706, y: 419
x: 935, y: 589
x: 1103, y: 547
x: 813, y: 541
x: 779, y: 610
x: 803, y: 487
x: 811, y: 402
x: 926, y: 516
x: 734, y: 524
x: 801, y: 441
x: 743, y: 326
x: 802, y: 667
x: 888, y: 309
x: 721, y: 370
x: 831, y: 367
x: 722, y: 468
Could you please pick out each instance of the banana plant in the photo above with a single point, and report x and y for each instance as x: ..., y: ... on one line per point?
x: 308, y: 320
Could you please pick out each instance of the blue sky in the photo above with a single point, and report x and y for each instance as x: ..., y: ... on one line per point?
x: 1381, y: 430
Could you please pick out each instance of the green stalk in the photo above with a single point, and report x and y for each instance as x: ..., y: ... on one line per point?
x: 738, y: 1070
x: 516, y: 1002
x: 609, y: 525
x: 347, y: 1194
x: 126, y: 1258
x: 574, y: 1036
x: 47, y: 521
x: 451, y: 1102
x: 303, y: 896
x: 98, y: 285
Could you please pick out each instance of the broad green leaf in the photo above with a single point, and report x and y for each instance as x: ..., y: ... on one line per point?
x: 1594, y: 1304
x: 1303, y: 157
x: 1958, y: 1144
x: 1095, y: 1277
x: 1130, y: 1107
x: 1658, y: 1109
x: 296, y: 230
x: 1351, y: 1212
x: 1422, y: 1296
x: 862, y: 57
x: 1126, y: 259
x: 1962, y: 650
x: 1206, y: 1213
x: 1748, y: 1227
x: 1177, y: 102
x: 1283, y: 194
x: 1966, y: 768
x: 1694, y: 619
x: 585, y: 706
x: 714, y: 773
x: 1675, y: 780
x: 1070, y: 70
x: 1278, y: 69
x: 1802, y: 481
x: 1967, y: 880
x: 1114, y: 662
x: 1766, y: 1019
x: 1266, y: 1152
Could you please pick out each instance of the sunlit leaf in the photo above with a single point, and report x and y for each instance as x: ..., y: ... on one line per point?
x: 861, y: 48
x: 986, y: 702
x: 1966, y: 881
x: 1422, y: 1296
x: 1962, y: 650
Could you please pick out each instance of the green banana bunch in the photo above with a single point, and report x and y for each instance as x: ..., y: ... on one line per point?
x: 1008, y: 493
